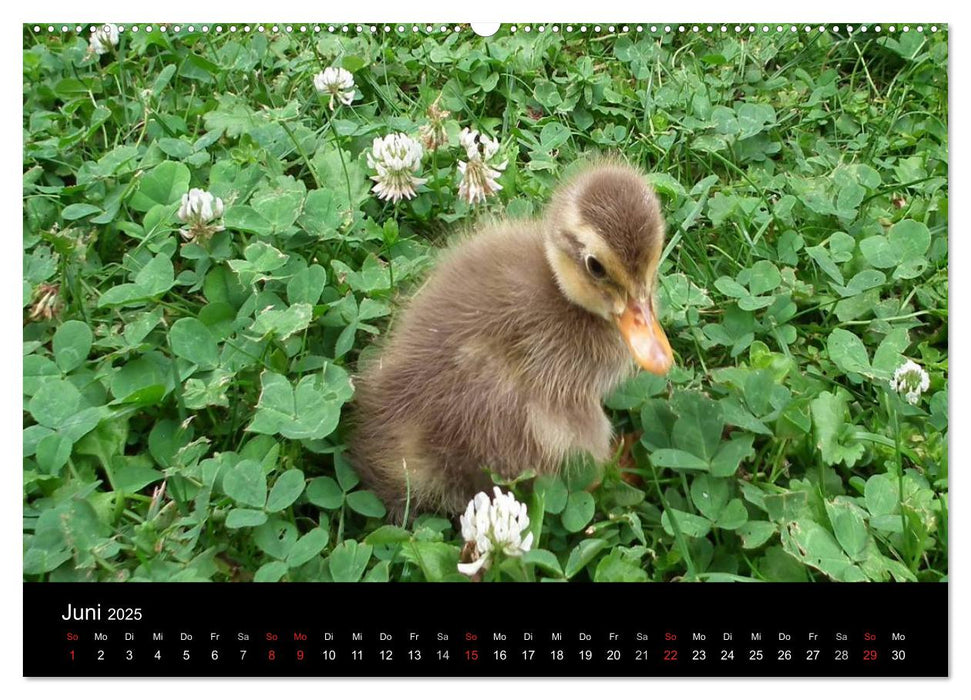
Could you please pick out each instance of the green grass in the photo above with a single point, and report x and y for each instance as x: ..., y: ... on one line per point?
x: 183, y: 401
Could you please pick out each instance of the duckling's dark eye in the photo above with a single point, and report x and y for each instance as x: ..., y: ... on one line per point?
x: 595, y: 268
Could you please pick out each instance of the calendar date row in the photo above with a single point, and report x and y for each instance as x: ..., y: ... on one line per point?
x: 412, y: 655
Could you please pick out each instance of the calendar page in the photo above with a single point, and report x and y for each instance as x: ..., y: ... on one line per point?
x: 347, y: 342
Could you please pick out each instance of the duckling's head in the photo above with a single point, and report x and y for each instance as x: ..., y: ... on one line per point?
x: 604, y: 237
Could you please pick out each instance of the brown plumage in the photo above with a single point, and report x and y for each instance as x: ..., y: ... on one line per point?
x: 501, y: 360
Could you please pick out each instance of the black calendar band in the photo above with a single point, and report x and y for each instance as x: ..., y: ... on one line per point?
x: 360, y: 630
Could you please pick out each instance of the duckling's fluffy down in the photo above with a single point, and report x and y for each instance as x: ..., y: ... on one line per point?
x: 488, y: 366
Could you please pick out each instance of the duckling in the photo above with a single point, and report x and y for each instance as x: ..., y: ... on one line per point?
x: 502, y: 359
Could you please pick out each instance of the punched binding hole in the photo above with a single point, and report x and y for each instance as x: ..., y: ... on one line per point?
x: 485, y: 28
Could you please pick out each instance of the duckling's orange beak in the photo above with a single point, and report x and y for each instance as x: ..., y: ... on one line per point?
x: 645, y: 338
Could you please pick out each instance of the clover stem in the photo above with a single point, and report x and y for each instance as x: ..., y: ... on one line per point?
x: 891, y: 409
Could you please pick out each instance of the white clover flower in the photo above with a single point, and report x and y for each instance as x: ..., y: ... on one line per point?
x: 910, y: 380
x: 103, y: 38
x: 494, y: 526
x: 395, y: 158
x: 337, y: 82
x: 199, y: 206
x: 199, y: 209
x: 433, y: 134
x: 478, y: 177
x: 46, y: 302
x: 477, y: 145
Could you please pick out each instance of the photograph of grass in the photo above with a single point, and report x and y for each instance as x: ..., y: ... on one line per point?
x: 265, y: 265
